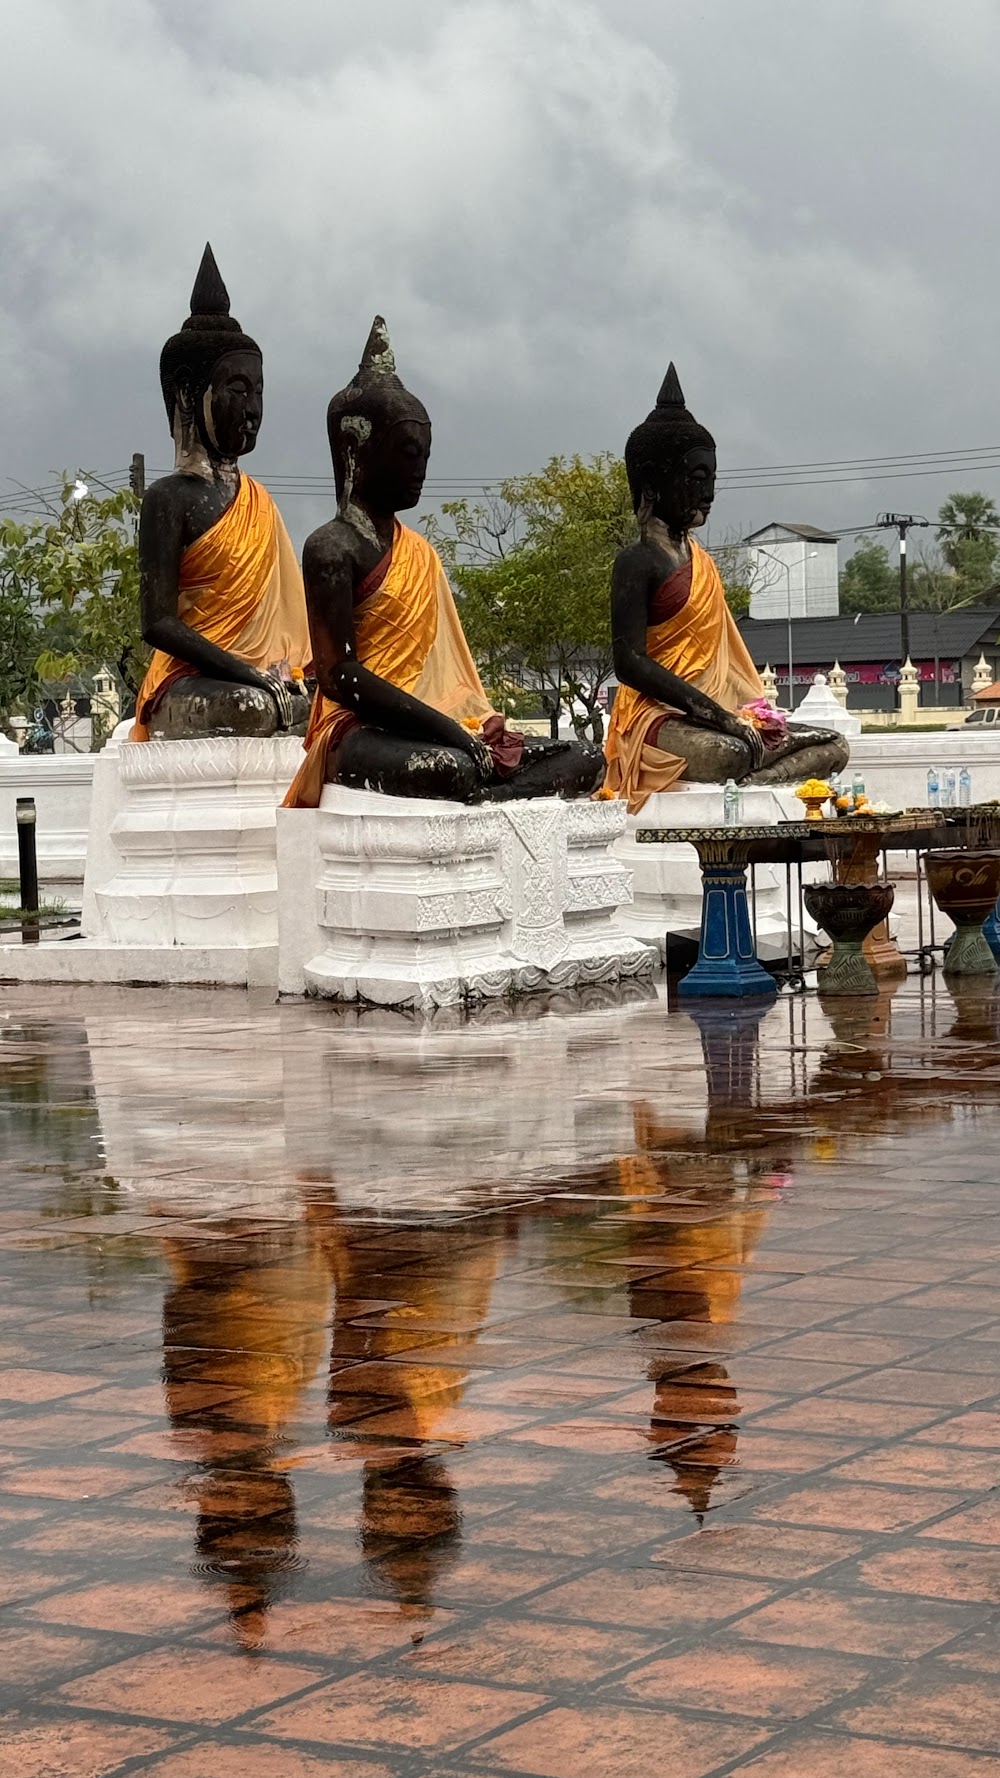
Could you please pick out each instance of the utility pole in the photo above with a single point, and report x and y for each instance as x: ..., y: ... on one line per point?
x: 901, y: 522
x: 137, y: 474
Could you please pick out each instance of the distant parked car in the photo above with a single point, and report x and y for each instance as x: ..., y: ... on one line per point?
x: 986, y: 716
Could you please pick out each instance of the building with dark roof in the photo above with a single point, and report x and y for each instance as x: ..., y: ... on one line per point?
x: 944, y: 647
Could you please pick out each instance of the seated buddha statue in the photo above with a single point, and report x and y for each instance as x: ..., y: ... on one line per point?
x: 683, y: 667
x: 399, y: 706
x: 221, y: 594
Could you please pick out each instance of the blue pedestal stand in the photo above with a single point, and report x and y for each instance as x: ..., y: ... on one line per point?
x: 991, y: 931
x: 727, y: 963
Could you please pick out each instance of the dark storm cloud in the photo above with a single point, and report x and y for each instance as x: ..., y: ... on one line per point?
x: 547, y: 198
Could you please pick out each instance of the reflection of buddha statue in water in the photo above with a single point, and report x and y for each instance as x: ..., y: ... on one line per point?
x: 244, y: 1322
x: 411, y: 1522
x: 701, y: 1281
x: 221, y: 592
x: 400, y: 706
x: 683, y: 666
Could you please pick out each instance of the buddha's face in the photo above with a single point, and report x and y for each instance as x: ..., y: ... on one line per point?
x: 698, y: 484
x: 233, y: 404
x: 395, y: 465
x: 683, y: 499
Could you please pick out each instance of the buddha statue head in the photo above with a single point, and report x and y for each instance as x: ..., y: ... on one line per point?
x: 380, y: 435
x: 670, y: 463
x: 212, y: 374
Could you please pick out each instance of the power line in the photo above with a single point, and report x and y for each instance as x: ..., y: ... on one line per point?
x: 860, y: 462
x: 760, y: 478
x: 841, y: 481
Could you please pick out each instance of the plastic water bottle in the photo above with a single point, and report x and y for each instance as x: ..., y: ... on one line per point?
x: 965, y: 788
x: 933, y: 788
x: 949, y: 797
x: 858, y: 786
x: 731, y: 803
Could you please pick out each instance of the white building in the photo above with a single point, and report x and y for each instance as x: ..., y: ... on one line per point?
x: 792, y: 572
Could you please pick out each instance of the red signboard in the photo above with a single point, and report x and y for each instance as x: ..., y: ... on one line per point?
x: 876, y: 673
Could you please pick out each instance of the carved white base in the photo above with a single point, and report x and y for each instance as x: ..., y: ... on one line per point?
x: 420, y: 903
x: 181, y: 880
x: 666, y: 880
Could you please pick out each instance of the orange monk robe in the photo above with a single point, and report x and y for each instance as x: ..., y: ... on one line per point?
x: 408, y: 631
x: 241, y: 588
x: 701, y: 644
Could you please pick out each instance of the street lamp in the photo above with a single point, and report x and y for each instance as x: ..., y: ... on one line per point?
x: 786, y: 568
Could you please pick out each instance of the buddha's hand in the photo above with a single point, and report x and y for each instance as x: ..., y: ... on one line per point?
x: 708, y: 714
x: 282, y: 695
x: 481, y: 757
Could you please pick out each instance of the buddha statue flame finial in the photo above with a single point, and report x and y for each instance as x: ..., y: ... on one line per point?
x: 378, y: 358
x: 671, y: 394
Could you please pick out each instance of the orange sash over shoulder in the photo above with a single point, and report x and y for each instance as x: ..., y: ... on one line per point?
x: 408, y: 632
x: 702, y: 645
x: 241, y: 588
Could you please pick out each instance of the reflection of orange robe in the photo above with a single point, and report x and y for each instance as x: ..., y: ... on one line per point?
x: 259, y: 1327
x: 701, y: 644
x: 241, y: 588
x: 419, y: 1394
x: 408, y: 631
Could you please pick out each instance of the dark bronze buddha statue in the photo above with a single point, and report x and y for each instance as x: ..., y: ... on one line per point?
x: 683, y: 667
x: 220, y: 587
x: 400, y: 706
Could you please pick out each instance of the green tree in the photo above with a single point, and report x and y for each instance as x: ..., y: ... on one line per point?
x: 933, y: 585
x: 532, y: 569
x: 22, y: 643
x: 969, y: 536
x: 71, y: 579
x: 869, y: 581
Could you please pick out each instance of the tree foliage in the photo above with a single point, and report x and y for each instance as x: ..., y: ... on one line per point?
x: 532, y: 570
x: 69, y: 594
x: 869, y: 582
x: 969, y: 535
x: 960, y: 568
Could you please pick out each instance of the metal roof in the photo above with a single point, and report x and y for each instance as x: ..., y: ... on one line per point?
x: 808, y: 533
x: 872, y: 636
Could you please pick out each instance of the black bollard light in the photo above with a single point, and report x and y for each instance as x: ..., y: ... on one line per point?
x: 27, y: 864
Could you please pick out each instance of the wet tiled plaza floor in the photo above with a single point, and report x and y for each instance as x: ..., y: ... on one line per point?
x: 592, y: 1393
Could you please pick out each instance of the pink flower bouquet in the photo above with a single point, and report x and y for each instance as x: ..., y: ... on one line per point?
x: 771, y: 724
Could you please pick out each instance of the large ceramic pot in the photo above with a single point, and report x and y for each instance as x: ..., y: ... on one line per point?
x: 848, y: 912
x: 965, y: 886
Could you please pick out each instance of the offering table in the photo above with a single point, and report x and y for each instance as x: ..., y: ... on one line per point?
x: 727, y: 963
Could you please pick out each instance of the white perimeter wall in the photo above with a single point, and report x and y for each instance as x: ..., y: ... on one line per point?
x: 895, y: 767
x: 60, y: 784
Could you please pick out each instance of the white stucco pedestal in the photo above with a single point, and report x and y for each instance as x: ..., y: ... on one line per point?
x: 406, y: 902
x: 666, y: 879
x: 181, y: 878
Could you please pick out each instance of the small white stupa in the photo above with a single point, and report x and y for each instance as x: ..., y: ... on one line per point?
x: 821, y: 707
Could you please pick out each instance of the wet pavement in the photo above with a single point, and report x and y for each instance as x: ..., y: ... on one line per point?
x: 600, y: 1391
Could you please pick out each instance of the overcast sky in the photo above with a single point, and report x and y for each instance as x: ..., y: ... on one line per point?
x: 548, y: 199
